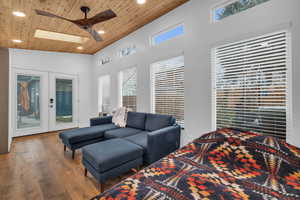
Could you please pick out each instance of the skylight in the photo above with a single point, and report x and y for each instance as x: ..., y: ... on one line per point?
x: 59, y: 36
x: 18, y: 14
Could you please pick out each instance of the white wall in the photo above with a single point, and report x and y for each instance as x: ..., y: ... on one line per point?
x: 201, y: 36
x: 65, y: 63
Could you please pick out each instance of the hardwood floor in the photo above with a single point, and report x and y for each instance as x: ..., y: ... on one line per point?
x: 38, y: 168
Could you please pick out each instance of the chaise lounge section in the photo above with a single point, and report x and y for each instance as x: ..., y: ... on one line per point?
x: 77, y: 138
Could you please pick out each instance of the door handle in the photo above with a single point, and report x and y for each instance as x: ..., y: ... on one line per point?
x: 51, y: 102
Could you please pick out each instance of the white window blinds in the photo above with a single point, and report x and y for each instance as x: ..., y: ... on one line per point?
x: 251, y: 85
x: 128, y: 81
x: 168, y: 88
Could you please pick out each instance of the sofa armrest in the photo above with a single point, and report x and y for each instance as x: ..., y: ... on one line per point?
x: 100, y: 120
x: 162, y: 142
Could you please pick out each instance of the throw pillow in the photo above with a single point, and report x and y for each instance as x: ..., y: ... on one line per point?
x: 120, y: 117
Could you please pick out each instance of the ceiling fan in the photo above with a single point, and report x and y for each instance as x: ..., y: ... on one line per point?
x: 86, y: 23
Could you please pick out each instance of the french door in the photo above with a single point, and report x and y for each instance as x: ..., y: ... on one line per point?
x: 63, y: 100
x: 43, y: 102
x: 30, y: 102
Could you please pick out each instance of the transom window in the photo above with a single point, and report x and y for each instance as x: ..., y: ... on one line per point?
x: 233, y: 7
x: 251, y: 85
x: 127, y: 51
x: 168, y: 34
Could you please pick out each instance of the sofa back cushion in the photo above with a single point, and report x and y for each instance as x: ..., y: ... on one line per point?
x: 156, y: 121
x: 136, y: 120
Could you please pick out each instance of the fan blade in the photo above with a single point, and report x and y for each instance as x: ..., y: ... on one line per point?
x: 94, y: 34
x: 47, y: 14
x: 101, y: 17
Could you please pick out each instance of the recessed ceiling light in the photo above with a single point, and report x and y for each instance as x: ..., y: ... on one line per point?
x: 80, y: 48
x: 18, y: 14
x: 141, y: 1
x: 17, y: 41
x: 101, y: 31
x: 59, y: 36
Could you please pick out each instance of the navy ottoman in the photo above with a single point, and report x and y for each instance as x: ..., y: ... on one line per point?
x: 111, y: 158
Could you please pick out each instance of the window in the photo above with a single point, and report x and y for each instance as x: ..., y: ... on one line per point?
x: 128, y: 79
x: 167, y: 35
x: 104, y: 94
x: 251, y: 80
x: 105, y: 60
x: 127, y: 51
x: 168, y: 88
x: 235, y: 7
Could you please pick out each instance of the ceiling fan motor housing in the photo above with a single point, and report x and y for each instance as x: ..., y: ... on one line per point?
x: 85, y: 10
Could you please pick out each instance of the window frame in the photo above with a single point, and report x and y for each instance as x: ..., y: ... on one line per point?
x: 169, y: 28
x: 289, y: 89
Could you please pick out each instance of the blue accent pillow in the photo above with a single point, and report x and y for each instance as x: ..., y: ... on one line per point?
x: 136, y: 120
x: 155, y: 122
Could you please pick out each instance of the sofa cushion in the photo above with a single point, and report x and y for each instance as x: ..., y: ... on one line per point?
x: 101, y: 120
x: 155, y: 121
x: 84, y: 134
x: 139, y: 139
x: 109, y: 154
x: 136, y: 120
x: 121, y: 133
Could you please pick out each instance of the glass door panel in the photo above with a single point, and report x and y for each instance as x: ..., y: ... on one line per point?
x: 30, y: 106
x: 28, y: 97
x: 64, y: 101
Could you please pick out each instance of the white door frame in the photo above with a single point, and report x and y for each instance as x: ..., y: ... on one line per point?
x: 47, y: 91
x: 53, y: 126
x: 43, y: 95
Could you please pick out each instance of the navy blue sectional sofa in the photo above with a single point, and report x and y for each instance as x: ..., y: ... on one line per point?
x: 108, y: 151
x: 158, y: 135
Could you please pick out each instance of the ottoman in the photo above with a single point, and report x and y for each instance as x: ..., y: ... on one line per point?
x: 111, y: 158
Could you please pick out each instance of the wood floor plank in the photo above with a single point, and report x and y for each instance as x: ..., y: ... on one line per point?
x: 37, y: 168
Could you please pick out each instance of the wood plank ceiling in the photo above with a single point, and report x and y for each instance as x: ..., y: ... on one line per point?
x: 131, y: 16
